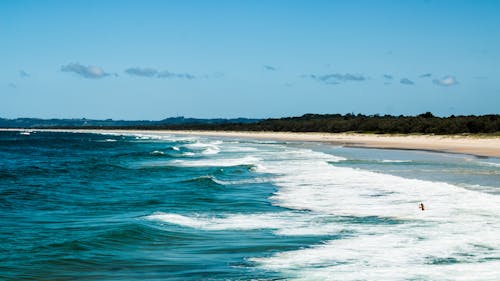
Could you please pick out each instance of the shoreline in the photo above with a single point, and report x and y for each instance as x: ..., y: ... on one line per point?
x: 481, y: 146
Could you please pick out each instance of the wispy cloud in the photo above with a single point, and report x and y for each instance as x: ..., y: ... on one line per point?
x: 270, y: 68
x: 90, y: 72
x: 336, y: 78
x: 154, y: 73
x: 23, y: 74
x: 425, y: 75
x: 406, y: 81
x: 446, y: 81
x: 388, y: 76
x: 168, y: 74
x: 144, y: 72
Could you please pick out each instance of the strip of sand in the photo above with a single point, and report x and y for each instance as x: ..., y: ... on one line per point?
x: 475, y: 145
x: 486, y: 146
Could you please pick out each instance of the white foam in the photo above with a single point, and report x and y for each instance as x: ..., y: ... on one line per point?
x: 384, y: 256
x: 211, y: 150
x: 240, y: 148
x: 245, y: 181
x: 157, y: 152
x: 106, y: 140
x: 401, y: 242
x: 283, y: 223
x: 308, y: 182
x: 483, y: 188
x: 200, y: 144
x: 491, y: 164
x: 206, y: 148
x: 395, y: 161
x: 221, y: 162
x: 148, y: 136
x: 454, y: 221
x: 155, y: 136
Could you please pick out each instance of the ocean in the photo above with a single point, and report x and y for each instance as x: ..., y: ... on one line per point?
x: 109, y: 206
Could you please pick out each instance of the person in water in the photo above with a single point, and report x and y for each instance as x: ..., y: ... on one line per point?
x: 421, y: 206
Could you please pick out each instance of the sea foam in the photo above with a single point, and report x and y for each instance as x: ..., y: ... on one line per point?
x: 389, y: 237
x: 457, y: 225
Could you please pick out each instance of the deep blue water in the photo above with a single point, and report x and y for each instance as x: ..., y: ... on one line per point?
x: 84, y: 206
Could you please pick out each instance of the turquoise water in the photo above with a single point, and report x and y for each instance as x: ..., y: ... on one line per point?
x: 82, y: 206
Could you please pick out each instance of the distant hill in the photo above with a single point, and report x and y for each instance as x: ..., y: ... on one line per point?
x: 83, y: 122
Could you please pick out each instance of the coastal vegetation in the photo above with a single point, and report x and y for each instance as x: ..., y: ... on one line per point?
x: 425, y: 123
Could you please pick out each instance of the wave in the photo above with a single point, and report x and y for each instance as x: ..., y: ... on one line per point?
x: 27, y: 132
x: 211, y: 151
x: 222, y: 162
x: 454, y: 219
x: 493, y: 164
x: 106, y: 140
x: 347, y: 191
x: 243, y: 181
x: 157, y: 152
x: 395, y: 161
x: 483, y: 188
x: 144, y: 136
x: 116, y: 235
x: 211, y: 148
x: 283, y: 223
x: 163, y: 137
x: 145, y: 155
x: 377, y: 162
x: 214, y: 180
x: 383, y: 257
x: 371, y: 220
x: 207, y: 180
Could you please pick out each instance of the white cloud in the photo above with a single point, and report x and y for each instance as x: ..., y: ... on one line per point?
x: 91, y: 71
x: 446, y: 81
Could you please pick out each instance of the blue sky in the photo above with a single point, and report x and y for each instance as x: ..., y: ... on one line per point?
x: 155, y: 59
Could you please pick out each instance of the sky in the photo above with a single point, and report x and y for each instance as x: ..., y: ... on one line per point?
x: 156, y: 59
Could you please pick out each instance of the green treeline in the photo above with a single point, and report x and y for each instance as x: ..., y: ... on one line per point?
x: 336, y: 123
x: 425, y: 123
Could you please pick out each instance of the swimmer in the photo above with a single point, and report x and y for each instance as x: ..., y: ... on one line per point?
x: 421, y: 206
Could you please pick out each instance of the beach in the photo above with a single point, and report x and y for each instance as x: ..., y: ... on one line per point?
x: 475, y: 145
x: 483, y: 146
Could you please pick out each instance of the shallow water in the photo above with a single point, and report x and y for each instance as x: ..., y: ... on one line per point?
x: 164, y: 207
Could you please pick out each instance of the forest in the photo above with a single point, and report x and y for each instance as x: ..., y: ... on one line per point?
x: 425, y: 123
